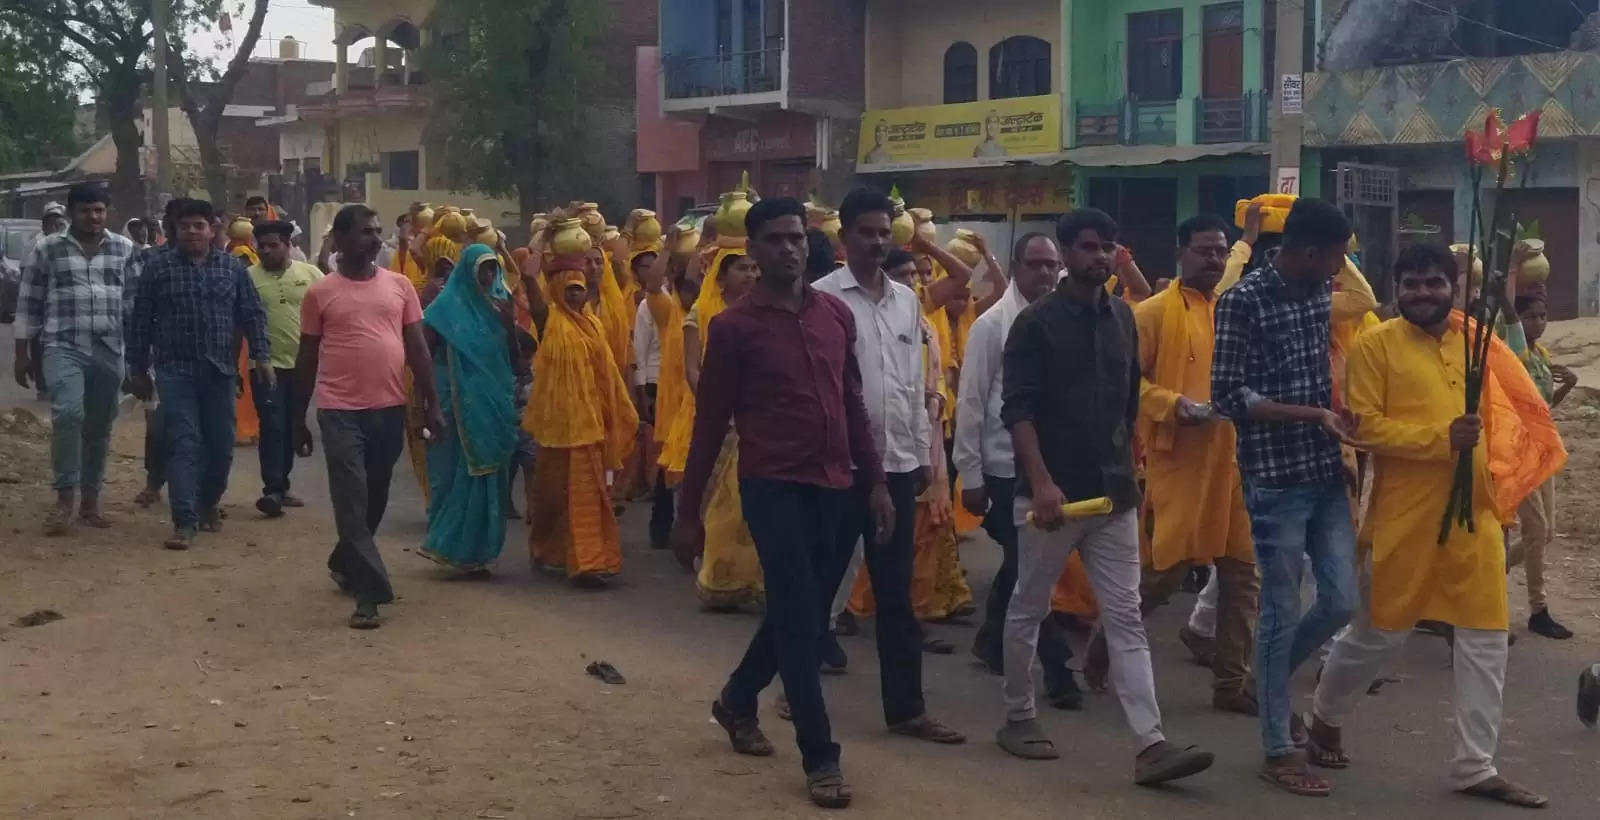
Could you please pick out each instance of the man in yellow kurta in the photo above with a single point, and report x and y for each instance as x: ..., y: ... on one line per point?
x: 1194, y: 500
x: 1405, y: 386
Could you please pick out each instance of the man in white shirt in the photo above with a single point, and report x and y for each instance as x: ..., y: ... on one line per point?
x: 888, y: 346
x: 645, y: 369
x: 984, y: 460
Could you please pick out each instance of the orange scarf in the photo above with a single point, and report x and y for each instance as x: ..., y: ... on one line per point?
x: 1524, y: 447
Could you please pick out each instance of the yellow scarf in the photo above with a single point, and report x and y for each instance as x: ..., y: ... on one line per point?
x: 1524, y: 446
x: 438, y: 248
x: 578, y: 396
x: 670, y: 385
x: 245, y: 253
x: 616, y: 316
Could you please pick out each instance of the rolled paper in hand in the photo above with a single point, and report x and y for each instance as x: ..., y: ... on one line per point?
x: 1087, y: 508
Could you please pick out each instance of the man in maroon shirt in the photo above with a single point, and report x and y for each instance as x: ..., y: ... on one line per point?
x: 781, y: 364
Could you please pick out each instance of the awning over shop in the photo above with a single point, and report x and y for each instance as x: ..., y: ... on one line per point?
x: 1115, y: 156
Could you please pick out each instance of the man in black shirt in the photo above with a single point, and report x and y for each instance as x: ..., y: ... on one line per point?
x: 1071, y: 390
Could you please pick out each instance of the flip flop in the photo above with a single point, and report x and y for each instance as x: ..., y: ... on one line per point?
x: 1024, y: 739
x: 1501, y: 790
x: 1170, y: 763
x: 1325, y: 757
x: 1293, y: 777
x: 606, y: 672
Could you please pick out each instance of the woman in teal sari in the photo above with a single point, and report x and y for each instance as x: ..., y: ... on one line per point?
x: 469, y: 466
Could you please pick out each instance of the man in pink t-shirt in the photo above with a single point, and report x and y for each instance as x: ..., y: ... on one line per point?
x: 359, y: 329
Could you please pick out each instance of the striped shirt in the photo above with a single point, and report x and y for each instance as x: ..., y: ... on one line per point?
x: 70, y: 298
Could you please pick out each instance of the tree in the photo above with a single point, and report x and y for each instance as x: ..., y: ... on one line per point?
x: 107, y: 40
x: 509, y: 80
x: 37, y: 97
x: 202, y: 92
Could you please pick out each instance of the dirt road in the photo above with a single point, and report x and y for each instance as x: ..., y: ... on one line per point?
x: 222, y: 683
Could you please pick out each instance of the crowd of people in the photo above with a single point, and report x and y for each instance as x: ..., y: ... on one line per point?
x: 819, y: 404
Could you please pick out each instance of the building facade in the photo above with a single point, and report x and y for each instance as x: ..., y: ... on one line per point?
x: 772, y: 88
x: 1405, y: 105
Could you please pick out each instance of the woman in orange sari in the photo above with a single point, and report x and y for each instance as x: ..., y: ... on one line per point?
x: 580, y: 415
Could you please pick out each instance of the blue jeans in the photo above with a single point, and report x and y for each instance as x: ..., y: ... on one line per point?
x: 1288, y: 525
x: 199, y: 414
x: 276, y: 447
x: 84, y: 388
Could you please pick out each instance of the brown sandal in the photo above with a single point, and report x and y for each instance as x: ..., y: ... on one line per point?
x: 827, y: 789
x: 1324, y: 755
x: 1501, y: 790
x: 1291, y: 775
x: 926, y: 728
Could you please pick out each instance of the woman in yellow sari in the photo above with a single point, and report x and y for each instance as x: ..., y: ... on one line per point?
x: 581, y: 418
x: 730, y: 572
x: 246, y: 424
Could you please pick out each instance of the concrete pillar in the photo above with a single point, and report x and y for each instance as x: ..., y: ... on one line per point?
x: 380, y: 60
x: 1290, y: 56
x: 1193, y: 24
x: 341, y: 73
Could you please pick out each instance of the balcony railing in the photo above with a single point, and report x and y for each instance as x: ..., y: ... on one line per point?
x: 1127, y: 122
x: 1233, y: 119
x: 723, y: 75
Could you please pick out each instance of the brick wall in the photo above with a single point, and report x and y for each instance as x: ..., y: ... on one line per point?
x: 827, y: 66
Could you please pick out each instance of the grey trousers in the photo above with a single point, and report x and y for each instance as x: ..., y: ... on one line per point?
x: 84, y: 388
x: 361, y: 447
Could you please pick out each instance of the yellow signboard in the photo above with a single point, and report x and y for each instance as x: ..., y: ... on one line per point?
x: 960, y: 135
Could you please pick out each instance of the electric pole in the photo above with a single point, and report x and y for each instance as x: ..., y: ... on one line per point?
x: 160, y: 15
x: 1288, y: 99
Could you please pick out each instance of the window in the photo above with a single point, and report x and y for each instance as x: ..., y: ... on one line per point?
x: 1155, y: 55
x: 960, y: 73
x: 400, y: 170
x: 1019, y: 67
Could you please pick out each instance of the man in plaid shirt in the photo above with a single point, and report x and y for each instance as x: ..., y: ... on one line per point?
x: 1270, y: 374
x: 190, y: 309
x: 71, y: 306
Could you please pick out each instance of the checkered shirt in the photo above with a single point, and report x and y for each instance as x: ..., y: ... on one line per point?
x: 1272, y: 344
x: 187, y: 316
x: 71, y: 299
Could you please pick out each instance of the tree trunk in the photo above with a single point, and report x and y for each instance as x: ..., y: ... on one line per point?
x: 121, y: 101
x: 205, y: 132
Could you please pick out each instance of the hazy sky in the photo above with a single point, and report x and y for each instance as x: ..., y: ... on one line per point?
x: 311, y: 25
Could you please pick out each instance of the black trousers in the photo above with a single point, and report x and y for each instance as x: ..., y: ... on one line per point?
x: 795, y: 528
x: 361, y: 447
x: 889, y: 567
x: 1000, y: 524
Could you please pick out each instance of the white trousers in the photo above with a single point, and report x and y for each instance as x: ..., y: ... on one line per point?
x: 1359, y: 656
x: 1203, y: 619
x: 1109, y: 546
x: 841, y: 596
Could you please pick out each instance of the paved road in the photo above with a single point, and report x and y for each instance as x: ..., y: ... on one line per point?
x: 1403, y: 737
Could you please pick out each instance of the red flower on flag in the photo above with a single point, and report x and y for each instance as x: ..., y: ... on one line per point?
x: 1522, y: 133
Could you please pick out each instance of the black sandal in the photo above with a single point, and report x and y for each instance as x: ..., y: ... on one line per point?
x: 744, y: 733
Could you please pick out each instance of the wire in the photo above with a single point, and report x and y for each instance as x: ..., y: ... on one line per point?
x: 1479, y: 23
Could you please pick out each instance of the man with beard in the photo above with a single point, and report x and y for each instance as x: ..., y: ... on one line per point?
x: 1405, y: 388
x: 1195, y: 503
x: 1071, y: 393
x: 360, y: 328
